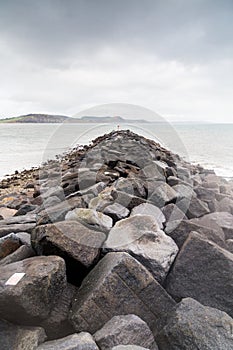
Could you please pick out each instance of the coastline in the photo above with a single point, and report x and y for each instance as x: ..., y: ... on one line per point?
x: 113, y: 225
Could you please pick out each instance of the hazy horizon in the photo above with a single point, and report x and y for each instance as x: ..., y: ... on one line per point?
x: 173, y: 57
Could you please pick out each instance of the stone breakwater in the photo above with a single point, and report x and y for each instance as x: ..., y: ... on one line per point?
x: 117, y: 245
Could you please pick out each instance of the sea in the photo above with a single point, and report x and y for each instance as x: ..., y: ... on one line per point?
x: 23, y: 146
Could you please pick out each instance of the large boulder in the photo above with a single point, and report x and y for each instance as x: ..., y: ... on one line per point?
x: 91, y: 218
x: 141, y: 237
x: 81, y: 341
x: 119, y: 285
x: 124, y: 330
x: 203, y: 271
x: 13, y: 337
x: 194, y: 326
x: 76, y: 243
x: 29, y: 289
x: 172, y: 212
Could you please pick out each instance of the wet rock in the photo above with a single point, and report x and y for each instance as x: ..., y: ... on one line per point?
x: 160, y: 193
x: 31, y: 300
x: 203, y: 271
x: 125, y: 329
x: 76, y: 243
x: 149, y: 209
x: 14, y: 337
x: 194, y: 326
x: 179, y: 231
x: 91, y: 217
x: 116, y: 211
x: 140, y: 236
x: 81, y: 341
x: 119, y: 285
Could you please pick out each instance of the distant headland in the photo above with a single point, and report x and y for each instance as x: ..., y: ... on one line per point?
x: 48, y: 118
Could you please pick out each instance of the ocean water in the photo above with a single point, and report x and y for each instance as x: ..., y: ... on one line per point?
x: 23, y: 146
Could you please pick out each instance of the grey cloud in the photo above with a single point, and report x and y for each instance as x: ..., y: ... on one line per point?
x: 59, y: 31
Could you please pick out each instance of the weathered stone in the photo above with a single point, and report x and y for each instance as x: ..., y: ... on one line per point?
x: 160, y: 193
x: 51, y: 201
x: 131, y: 186
x: 127, y: 200
x: 14, y: 337
x: 194, y: 326
x: 226, y: 205
x: 203, y: 271
x: 8, y: 244
x: 172, y: 212
x: 34, y: 296
x: 86, y: 179
x: 23, y: 252
x: 205, y: 194
x: 91, y: 217
x: 183, y: 191
x: 24, y: 209
x: 57, y: 325
x: 197, y: 208
x: 149, y: 209
x: 119, y: 285
x: 103, y: 199
x: 125, y: 329
x: 218, y: 220
x: 23, y: 219
x: 76, y: 243
x: 116, y: 211
x: 58, y: 212
x: 54, y: 191
x: 81, y: 341
x: 6, y: 229
x: 153, y: 171
x: 7, y: 212
x: 179, y: 231
x: 140, y: 236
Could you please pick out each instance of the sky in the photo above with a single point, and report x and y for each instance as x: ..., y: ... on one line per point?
x: 174, y: 57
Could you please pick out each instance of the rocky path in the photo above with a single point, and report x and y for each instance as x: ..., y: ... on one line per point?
x: 118, y: 245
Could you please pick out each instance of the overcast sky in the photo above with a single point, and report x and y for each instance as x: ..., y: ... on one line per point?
x: 172, y: 56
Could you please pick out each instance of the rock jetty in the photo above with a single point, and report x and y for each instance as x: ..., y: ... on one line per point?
x: 118, y: 245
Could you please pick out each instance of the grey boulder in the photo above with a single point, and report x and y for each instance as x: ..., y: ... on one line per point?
x: 124, y: 330
x: 194, y: 326
x: 150, y: 209
x: 141, y: 237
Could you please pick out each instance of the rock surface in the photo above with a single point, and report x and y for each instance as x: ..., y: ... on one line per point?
x: 118, y: 285
x: 124, y: 330
x: 194, y: 326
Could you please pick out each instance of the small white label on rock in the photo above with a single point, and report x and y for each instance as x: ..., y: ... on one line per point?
x: 14, y: 279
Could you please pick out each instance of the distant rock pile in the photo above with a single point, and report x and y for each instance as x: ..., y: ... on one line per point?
x: 118, y: 245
